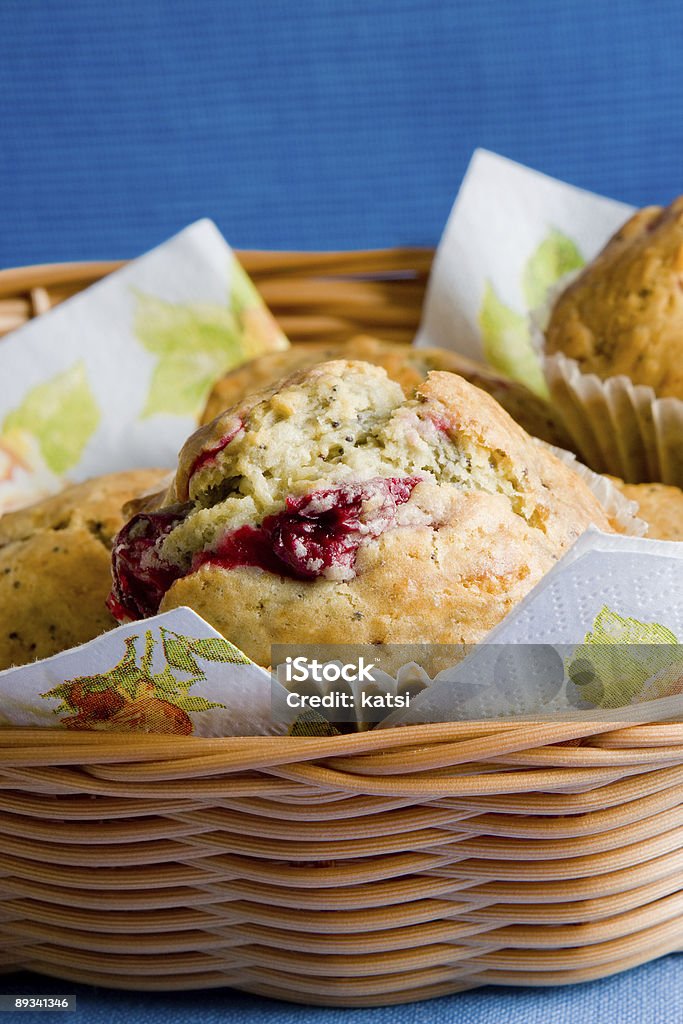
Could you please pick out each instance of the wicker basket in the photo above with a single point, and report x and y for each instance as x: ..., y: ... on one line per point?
x: 356, y: 870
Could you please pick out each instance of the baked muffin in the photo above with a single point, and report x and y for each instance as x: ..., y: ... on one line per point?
x: 660, y: 506
x: 624, y: 313
x: 55, y: 566
x: 404, y: 363
x: 332, y: 508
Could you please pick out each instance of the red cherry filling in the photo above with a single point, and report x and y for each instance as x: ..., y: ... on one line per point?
x: 314, y: 533
x: 141, y: 577
x: 209, y: 454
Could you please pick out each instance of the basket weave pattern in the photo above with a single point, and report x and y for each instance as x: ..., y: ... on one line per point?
x: 356, y: 870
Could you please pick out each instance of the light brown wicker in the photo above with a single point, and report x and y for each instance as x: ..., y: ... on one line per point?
x: 356, y: 870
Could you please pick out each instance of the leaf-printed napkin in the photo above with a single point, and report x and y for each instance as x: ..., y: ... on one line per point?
x: 116, y: 377
x: 512, y: 234
x: 601, y: 634
x: 169, y: 674
x: 623, y: 660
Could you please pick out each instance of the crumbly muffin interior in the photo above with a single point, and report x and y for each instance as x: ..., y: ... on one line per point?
x: 320, y: 435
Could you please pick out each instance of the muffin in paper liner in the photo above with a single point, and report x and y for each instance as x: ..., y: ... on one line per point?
x: 618, y: 427
x: 492, y: 513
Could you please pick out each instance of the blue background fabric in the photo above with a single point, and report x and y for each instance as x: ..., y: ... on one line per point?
x: 321, y: 125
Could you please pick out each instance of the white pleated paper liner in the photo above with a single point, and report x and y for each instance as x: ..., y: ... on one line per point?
x: 619, y: 427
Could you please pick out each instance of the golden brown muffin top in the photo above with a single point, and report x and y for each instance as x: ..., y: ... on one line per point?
x: 95, y: 505
x: 624, y: 313
x: 55, y: 566
x: 660, y: 506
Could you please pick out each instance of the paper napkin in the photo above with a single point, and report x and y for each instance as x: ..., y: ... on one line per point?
x: 116, y: 377
x: 511, y: 235
x: 169, y: 674
x: 600, y: 634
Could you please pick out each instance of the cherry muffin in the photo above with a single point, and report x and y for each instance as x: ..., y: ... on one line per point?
x: 332, y: 508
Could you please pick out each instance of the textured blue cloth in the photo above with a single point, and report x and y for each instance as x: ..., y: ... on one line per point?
x: 652, y: 994
x: 326, y: 124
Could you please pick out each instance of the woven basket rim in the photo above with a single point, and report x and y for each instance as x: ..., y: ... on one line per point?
x: 42, y: 275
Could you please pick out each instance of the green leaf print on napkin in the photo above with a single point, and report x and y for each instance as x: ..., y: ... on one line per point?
x: 505, y: 331
x: 556, y: 256
x: 621, y: 659
x: 61, y: 414
x: 197, y: 342
x: 507, y: 342
x: 131, y: 696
